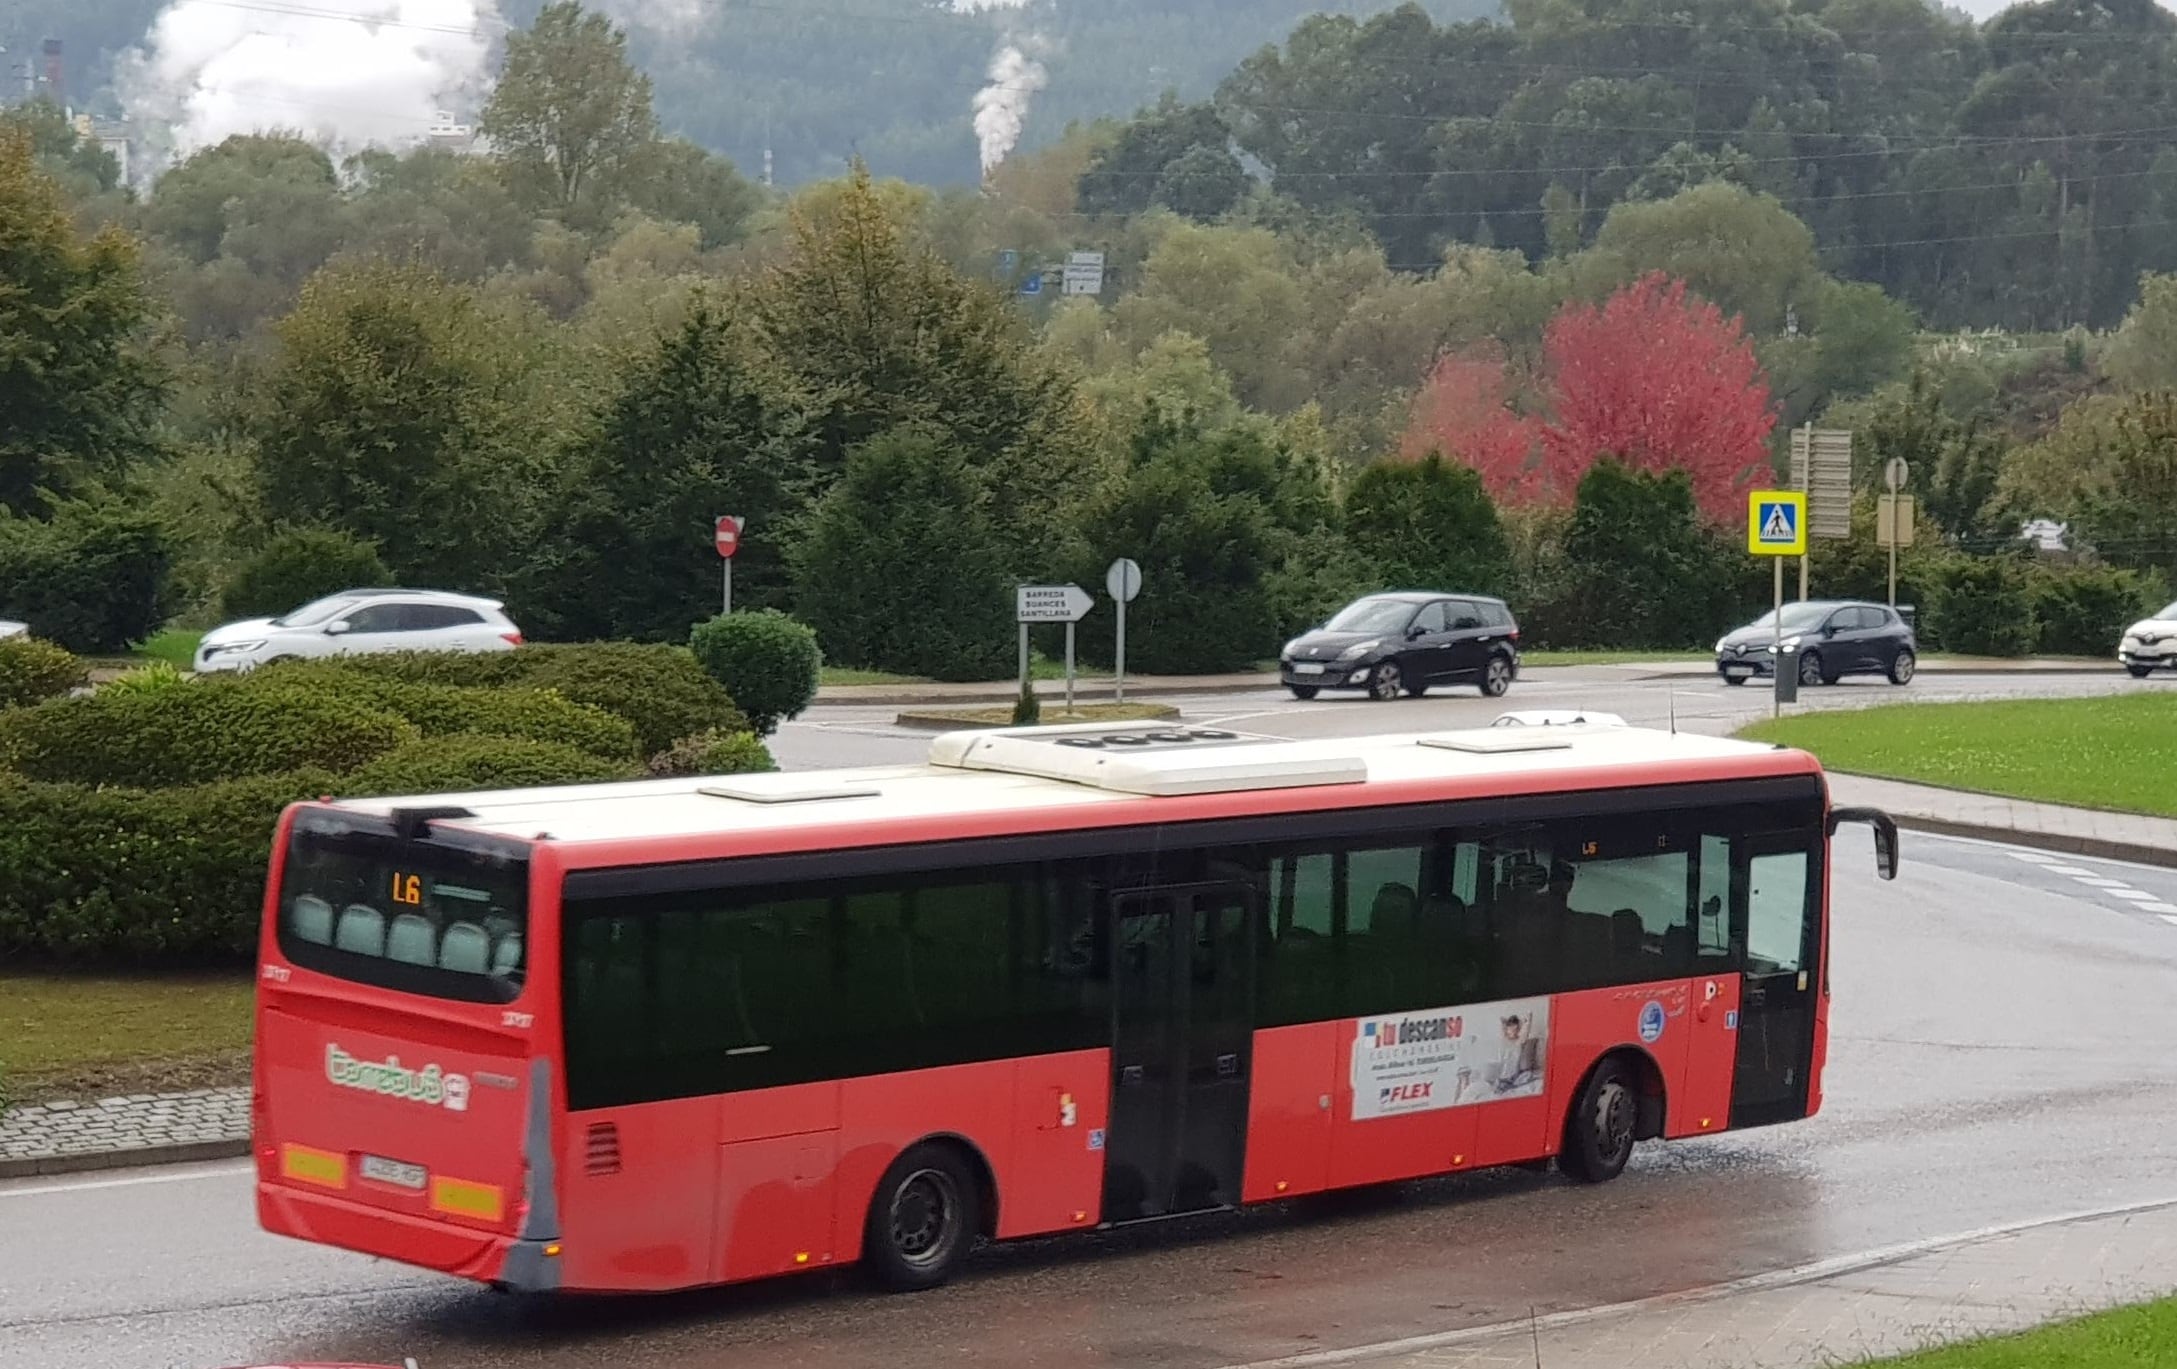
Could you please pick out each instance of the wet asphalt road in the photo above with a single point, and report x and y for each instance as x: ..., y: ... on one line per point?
x: 2001, y: 1023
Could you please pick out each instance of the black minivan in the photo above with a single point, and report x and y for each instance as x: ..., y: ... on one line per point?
x: 1402, y: 643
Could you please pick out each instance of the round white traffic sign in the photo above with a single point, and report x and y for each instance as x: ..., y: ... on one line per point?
x: 1894, y: 473
x: 1123, y: 580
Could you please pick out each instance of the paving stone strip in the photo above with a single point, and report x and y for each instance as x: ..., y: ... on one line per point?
x: 141, y: 1128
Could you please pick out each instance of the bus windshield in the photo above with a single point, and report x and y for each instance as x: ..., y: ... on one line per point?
x: 420, y: 916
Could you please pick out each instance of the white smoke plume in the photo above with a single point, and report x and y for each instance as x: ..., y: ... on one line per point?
x: 1014, y: 76
x: 1001, y: 106
x: 345, y: 73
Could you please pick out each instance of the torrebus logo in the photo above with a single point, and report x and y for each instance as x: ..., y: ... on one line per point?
x: 389, y: 1078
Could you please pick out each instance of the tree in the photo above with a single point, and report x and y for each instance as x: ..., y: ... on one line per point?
x: 1465, y: 411
x: 1660, y: 380
x: 1427, y: 524
x: 703, y: 423
x: 2144, y: 354
x: 902, y: 569
x: 80, y: 383
x: 1742, y: 250
x: 679, y: 182
x: 2110, y: 470
x: 1239, y: 290
x: 398, y: 410
x: 570, y: 118
x: 1954, y: 465
x: 1644, y: 572
x: 1177, y: 156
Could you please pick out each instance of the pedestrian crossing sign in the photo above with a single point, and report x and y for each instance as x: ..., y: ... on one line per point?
x: 1776, y: 523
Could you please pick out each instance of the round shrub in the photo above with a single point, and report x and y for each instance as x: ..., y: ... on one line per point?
x: 769, y: 663
x: 659, y: 689
x: 449, y: 765
x: 714, y: 752
x: 300, y: 565
x: 1982, y: 606
x: 32, y: 671
x: 453, y: 710
x: 201, y: 734
x: 173, y: 875
x: 2083, y: 610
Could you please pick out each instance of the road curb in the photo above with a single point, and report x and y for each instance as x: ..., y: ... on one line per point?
x: 936, y: 721
x: 134, y: 1157
x: 2062, y: 843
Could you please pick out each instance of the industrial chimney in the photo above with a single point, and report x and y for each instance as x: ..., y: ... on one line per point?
x: 54, y: 89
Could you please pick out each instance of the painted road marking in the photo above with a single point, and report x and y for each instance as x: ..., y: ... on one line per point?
x: 2097, y: 882
x: 2167, y: 910
x: 2074, y: 871
x: 2136, y: 895
x: 2170, y: 918
x: 86, y: 1186
x: 2034, y: 857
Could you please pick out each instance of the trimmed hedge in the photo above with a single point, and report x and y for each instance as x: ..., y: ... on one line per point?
x: 768, y: 662
x: 32, y: 671
x: 714, y: 753
x: 449, y: 765
x: 2083, y: 610
x: 660, y: 691
x: 199, y: 735
x: 94, y: 579
x: 440, y: 710
x: 1983, y: 606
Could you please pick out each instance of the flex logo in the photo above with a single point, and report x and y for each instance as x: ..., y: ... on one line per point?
x: 1406, y: 1093
x: 430, y: 1085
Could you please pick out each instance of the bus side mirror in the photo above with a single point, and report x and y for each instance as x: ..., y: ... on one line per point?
x: 1885, y: 835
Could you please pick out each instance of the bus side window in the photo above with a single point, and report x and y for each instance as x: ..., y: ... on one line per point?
x: 1776, y: 913
x: 1712, y: 915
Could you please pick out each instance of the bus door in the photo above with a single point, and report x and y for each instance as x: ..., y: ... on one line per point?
x: 1181, y: 1033
x: 1777, y: 939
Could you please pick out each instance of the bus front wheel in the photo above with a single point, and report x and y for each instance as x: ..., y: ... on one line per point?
x: 1600, y: 1131
x: 923, y: 1219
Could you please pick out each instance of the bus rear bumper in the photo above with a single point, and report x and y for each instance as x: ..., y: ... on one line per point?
x: 446, y: 1247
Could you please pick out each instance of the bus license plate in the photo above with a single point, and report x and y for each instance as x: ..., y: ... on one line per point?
x: 399, y: 1173
x: 1307, y: 668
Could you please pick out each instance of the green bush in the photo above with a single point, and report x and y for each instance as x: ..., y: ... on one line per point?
x: 2083, y: 610
x: 297, y: 566
x: 203, y: 734
x: 126, y: 874
x: 1636, y: 568
x: 94, y: 579
x: 714, y: 753
x: 1982, y: 606
x: 155, y: 677
x: 768, y: 662
x: 448, y: 765
x: 659, y: 690
x: 440, y: 710
x: 32, y: 671
x: 1427, y: 524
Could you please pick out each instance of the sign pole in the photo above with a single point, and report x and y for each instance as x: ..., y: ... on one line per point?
x: 1120, y: 654
x: 1024, y: 658
x: 728, y: 564
x: 1069, y: 667
x: 1803, y: 579
x: 1123, y: 580
x: 1776, y: 621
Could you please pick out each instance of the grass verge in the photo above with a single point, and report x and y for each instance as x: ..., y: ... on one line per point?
x: 2115, y: 753
x: 176, y: 646
x: 83, y: 1036
x: 2143, y: 1337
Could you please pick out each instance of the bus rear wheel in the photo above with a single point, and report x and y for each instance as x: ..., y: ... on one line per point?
x: 923, y: 1219
x: 1599, y: 1132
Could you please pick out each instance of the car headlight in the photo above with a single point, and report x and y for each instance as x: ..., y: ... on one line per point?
x: 234, y: 646
x: 1360, y: 649
x: 1788, y: 644
x: 1720, y: 645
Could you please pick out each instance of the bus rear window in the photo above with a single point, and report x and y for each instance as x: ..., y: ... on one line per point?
x: 413, y: 915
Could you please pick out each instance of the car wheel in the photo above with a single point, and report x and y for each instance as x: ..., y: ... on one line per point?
x: 1496, y: 678
x: 2139, y: 672
x: 923, y: 1219
x: 1735, y: 680
x: 1416, y: 688
x: 1810, y: 669
x: 1304, y: 691
x: 1599, y: 1131
x: 1388, y: 683
x: 1902, y: 666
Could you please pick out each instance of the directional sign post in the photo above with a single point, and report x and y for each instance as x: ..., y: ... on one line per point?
x: 726, y: 536
x: 1123, y: 580
x: 1066, y: 604
x: 1776, y: 527
x: 1888, y: 527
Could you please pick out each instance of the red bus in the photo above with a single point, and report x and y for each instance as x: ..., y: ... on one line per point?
x: 667, y: 1033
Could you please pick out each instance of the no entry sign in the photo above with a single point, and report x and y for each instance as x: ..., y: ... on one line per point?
x: 727, y: 536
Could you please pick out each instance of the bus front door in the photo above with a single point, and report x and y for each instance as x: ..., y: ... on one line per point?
x: 1777, y: 946
x: 1180, y: 1042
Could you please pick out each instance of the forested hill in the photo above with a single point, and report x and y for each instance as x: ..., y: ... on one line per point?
x: 824, y: 79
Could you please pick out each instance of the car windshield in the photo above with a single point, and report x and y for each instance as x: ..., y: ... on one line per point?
x: 2167, y: 614
x: 1371, y: 615
x: 314, y: 612
x: 1797, y: 617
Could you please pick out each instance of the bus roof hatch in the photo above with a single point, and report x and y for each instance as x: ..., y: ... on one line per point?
x: 1158, y: 761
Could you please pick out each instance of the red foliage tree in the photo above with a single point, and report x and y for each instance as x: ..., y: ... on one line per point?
x: 1464, y: 412
x: 1660, y: 380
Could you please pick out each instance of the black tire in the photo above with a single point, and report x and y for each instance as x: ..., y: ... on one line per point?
x: 923, y: 1219
x: 1416, y: 688
x: 1736, y: 680
x: 1902, y: 667
x: 1496, y: 677
x: 1304, y: 692
x: 1600, y: 1129
x: 2139, y: 672
x: 1389, y: 682
x: 1810, y: 670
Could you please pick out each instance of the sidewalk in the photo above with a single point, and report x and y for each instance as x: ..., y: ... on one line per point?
x: 1835, y: 1313
x: 907, y: 694
x: 1991, y: 817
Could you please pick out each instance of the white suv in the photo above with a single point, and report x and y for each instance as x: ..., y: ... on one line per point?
x: 359, y: 621
x: 2150, y: 644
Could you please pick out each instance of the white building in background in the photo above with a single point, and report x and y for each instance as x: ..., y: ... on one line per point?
x: 448, y: 133
x: 114, y: 137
